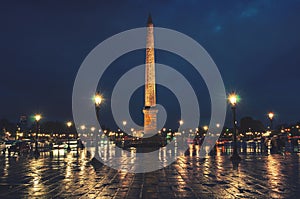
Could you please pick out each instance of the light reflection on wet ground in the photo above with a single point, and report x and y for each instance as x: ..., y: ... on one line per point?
x: 66, y: 175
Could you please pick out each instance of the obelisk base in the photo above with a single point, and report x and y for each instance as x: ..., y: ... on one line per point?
x: 150, y: 121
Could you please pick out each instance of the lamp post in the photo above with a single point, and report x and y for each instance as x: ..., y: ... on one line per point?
x: 124, y: 123
x: 205, y: 128
x: 37, y: 117
x: 82, y: 127
x: 69, y: 124
x: 233, y: 100
x: 97, y: 100
x: 271, y: 117
x: 181, y: 122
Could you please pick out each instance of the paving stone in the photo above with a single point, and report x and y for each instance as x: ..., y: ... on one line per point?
x: 257, y: 176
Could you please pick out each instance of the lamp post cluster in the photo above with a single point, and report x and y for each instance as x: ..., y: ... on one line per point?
x: 37, y: 118
x: 233, y: 100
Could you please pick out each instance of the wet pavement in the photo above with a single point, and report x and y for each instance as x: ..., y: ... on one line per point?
x: 66, y: 175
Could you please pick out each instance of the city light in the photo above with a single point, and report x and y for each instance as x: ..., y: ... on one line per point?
x: 181, y: 122
x: 233, y: 99
x: 69, y: 124
x: 82, y: 127
x: 98, y: 99
x: 38, y: 117
x: 271, y: 115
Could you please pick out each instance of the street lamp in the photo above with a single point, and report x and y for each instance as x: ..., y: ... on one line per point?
x: 271, y: 116
x: 98, y: 100
x: 124, y: 124
x: 69, y: 124
x: 82, y: 127
x: 37, y: 118
x: 233, y: 100
x: 181, y: 122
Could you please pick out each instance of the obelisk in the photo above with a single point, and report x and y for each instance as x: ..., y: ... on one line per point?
x: 150, y: 111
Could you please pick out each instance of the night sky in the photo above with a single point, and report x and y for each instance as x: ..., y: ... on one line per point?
x: 255, y: 44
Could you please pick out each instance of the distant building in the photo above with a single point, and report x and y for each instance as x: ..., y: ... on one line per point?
x: 249, y: 124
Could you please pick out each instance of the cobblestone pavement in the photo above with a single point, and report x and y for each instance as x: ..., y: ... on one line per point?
x: 68, y: 176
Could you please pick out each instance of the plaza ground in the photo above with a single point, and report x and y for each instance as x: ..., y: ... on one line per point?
x: 69, y: 176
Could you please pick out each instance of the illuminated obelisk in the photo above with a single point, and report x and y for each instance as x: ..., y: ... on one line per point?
x: 150, y: 111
